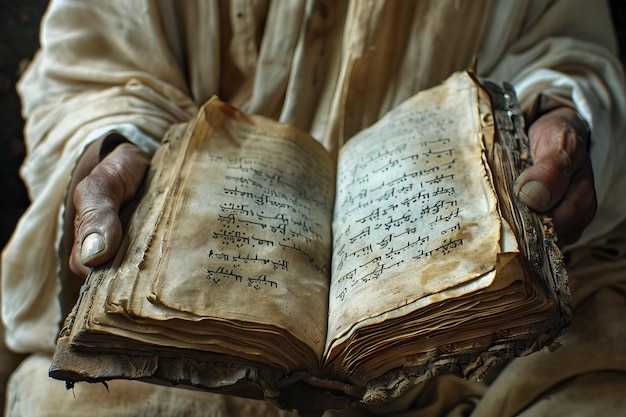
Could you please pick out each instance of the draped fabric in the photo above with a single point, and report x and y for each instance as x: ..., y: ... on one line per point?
x: 330, y: 67
x: 583, y: 374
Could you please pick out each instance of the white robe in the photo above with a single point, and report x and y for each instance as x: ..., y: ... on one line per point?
x: 330, y: 67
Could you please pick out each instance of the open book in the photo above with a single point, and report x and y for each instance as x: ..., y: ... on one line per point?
x: 257, y: 264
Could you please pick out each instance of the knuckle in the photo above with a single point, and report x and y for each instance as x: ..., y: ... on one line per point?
x: 557, y: 139
x: 92, y: 192
x: 90, y: 185
x: 124, y: 169
x: 86, y: 218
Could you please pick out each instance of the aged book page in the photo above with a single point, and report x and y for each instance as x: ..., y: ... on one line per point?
x: 416, y: 217
x: 265, y: 211
x: 244, y: 246
x: 415, y: 212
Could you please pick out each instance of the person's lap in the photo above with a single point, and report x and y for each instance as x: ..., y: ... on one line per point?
x: 583, y: 374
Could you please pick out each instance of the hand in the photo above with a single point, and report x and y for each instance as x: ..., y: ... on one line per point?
x: 97, y: 199
x: 560, y: 181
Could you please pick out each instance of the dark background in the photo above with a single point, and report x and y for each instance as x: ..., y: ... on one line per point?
x: 19, y: 31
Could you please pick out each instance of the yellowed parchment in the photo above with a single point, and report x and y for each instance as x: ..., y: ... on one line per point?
x: 415, y: 213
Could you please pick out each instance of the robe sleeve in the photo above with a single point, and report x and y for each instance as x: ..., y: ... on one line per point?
x: 568, y: 48
x: 116, y: 73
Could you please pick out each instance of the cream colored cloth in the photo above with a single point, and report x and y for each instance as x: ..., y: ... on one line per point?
x: 32, y: 393
x: 330, y: 67
x: 583, y: 374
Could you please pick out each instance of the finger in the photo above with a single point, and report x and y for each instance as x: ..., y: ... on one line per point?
x: 578, y: 208
x: 98, y: 198
x: 88, y: 161
x: 559, y: 150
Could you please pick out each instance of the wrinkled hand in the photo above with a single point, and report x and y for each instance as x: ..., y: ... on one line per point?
x: 97, y: 200
x: 560, y: 181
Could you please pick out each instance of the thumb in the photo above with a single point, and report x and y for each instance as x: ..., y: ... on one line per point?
x: 98, y: 199
x: 559, y: 150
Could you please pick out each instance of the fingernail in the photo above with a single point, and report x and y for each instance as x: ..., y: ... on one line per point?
x: 535, y: 195
x: 93, y: 244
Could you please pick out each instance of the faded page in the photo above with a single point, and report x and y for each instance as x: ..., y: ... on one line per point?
x: 249, y: 238
x: 415, y: 212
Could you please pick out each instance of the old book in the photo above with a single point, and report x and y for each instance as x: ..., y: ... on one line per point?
x: 258, y: 264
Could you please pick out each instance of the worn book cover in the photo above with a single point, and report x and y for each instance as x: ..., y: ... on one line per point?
x: 259, y: 264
